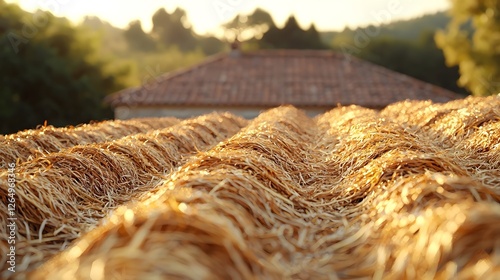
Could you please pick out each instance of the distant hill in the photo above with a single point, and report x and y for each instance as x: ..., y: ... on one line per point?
x: 405, y: 46
x: 402, y: 29
x: 413, y: 28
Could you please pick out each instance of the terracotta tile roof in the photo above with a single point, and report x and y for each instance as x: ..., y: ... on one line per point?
x: 277, y: 77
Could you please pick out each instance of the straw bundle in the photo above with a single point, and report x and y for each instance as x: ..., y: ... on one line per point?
x: 62, y: 194
x: 268, y: 203
x: 189, y: 236
x: 408, y: 192
x: 464, y: 129
x: 458, y: 124
x: 472, y: 101
x: 33, y: 143
x: 478, y: 148
x: 422, y: 226
x: 415, y: 114
x: 425, y: 114
x: 256, y: 170
x: 345, y: 117
x: 472, y: 133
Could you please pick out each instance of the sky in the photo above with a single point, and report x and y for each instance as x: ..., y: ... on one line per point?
x: 207, y: 15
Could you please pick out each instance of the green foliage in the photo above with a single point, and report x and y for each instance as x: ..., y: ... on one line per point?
x: 244, y: 27
x: 147, y: 55
x: 137, y: 39
x: 50, y: 71
x: 411, y: 30
x: 405, y: 30
x: 260, y: 17
x: 259, y: 31
x: 327, y: 37
x: 110, y: 38
x: 291, y: 36
x: 477, y: 53
x: 153, y: 64
x: 391, y: 46
x: 313, y: 38
x: 211, y: 45
x: 173, y: 30
x: 420, y: 59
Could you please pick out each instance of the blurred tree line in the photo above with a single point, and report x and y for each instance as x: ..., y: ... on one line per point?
x: 53, y: 70
x: 145, y: 53
x: 406, y: 46
x: 50, y: 71
x: 170, y: 30
x: 260, y: 32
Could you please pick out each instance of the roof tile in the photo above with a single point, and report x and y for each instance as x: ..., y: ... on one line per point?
x: 277, y: 77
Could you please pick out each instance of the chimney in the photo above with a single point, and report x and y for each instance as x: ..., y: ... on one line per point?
x: 235, y: 48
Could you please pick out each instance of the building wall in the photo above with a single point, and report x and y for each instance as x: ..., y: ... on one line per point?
x: 125, y: 112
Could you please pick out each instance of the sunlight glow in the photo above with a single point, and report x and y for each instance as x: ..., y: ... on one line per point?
x: 207, y: 15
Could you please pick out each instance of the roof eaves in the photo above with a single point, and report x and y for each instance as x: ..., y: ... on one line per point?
x: 111, y: 99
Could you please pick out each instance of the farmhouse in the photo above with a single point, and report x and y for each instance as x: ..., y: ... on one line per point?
x: 248, y: 83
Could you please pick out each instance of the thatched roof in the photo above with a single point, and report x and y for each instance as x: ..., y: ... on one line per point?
x: 411, y: 191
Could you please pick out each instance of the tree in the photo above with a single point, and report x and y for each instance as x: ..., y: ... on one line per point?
x: 243, y: 27
x: 291, y: 36
x: 420, y: 59
x: 112, y: 40
x: 404, y: 46
x: 211, y: 45
x: 291, y: 33
x: 173, y: 29
x: 137, y: 39
x: 314, y: 39
x: 475, y: 52
x: 51, y: 74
